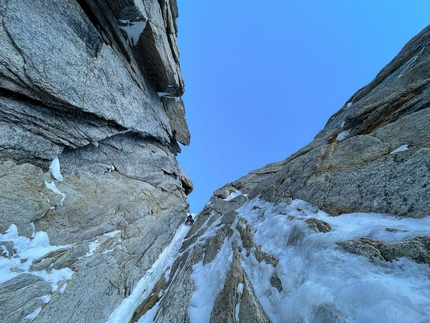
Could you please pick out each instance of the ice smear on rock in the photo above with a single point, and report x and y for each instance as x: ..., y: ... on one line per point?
x: 33, y: 315
x: 401, y: 148
x: 54, y: 188
x: 55, y: 169
x: 133, y: 30
x: 125, y: 311
x: 343, y: 135
x: 212, y: 274
x: 27, y: 251
x: 314, y: 271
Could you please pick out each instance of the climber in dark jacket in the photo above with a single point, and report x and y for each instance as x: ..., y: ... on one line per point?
x: 190, y: 220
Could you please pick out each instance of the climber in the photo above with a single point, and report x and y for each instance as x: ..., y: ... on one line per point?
x: 190, y: 220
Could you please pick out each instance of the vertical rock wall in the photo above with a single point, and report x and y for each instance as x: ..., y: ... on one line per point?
x: 98, y: 84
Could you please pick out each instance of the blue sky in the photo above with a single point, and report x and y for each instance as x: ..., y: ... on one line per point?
x: 263, y: 77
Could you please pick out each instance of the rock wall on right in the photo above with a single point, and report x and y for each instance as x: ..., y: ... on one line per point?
x: 373, y: 155
x: 338, y: 232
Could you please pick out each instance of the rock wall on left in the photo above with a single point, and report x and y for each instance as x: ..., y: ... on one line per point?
x: 96, y: 83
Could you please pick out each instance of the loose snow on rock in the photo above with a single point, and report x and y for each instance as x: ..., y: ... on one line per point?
x: 233, y: 195
x: 343, y: 135
x: 55, y: 169
x: 412, y: 62
x: 314, y: 272
x: 54, y: 188
x: 401, y: 148
x: 124, y: 312
x: 26, y: 251
x: 33, y: 315
x: 133, y: 30
x: 212, y: 274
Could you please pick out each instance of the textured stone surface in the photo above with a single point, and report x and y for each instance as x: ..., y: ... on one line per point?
x: 416, y: 249
x: 75, y: 78
x: 21, y: 295
x: 77, y: 83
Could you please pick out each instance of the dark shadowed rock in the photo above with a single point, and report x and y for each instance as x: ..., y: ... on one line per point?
x: 318, y: 225
x: 416, y: 249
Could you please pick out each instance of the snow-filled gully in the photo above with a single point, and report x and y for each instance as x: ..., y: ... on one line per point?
x: 316, y: 275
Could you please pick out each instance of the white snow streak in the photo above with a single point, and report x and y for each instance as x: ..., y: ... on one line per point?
x: 124, y: 312
x: 55, y: 169
x: 343, y: 135
x: 314, y: 271
x: 410, y: 64
x: 401, y: 148
x: 54, y: 188
x: 133, y: 30
x: 28, y: 250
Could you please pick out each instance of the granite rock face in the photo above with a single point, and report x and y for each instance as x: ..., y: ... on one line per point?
x: 98, y: 84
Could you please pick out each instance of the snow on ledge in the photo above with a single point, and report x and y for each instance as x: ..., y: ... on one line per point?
x: 28, y: 250
x: 343, y: 135
x: 401, y: 148
x: 133, y: 29
x: 55, y: 169
x: 233, y: 195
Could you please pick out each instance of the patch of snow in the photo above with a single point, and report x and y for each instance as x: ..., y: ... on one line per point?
x: 54, y: 276
x: 314, y: 271
x: 96, y: 143
x: 161, y: 94
x: 55, y: 169
x: 27, y: 251
x: 133, y: 30
x: 401, y: 148
x: 125, y: 310
x: 236, y: 312
x: 45, y: 298
x: 62, y: 289
x: 203, y: 298
x: 149, y: 316
x: 112, y: 233
x: 124, y: 132
x: 54, y: 188
x: 91, y: 248
x: 410, y: 64
x: 167, y: 275
x: 349, y: 105
x: 342, y: 124
x: 34, y: 228
x: 33, y: 315
x: 343, y: 135
x: 233, y: 195
x: 240, y: 288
